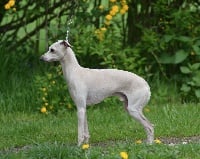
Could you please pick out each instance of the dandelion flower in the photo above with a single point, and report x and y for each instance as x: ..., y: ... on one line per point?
x: 124, y: 155
x: 138, y: 141
x: 85, y: 146
x: 157, y: 141
x: 146, y: 109
x: 43, y: 110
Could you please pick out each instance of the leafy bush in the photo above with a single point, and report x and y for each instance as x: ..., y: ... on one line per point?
x: 52, y: 93
x: 173, y: 39
x: 146, y: 37
x: 170, y: 40
x: 191, y: 83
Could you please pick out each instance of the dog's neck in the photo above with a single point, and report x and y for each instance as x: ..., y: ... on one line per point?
x: 69, y: 63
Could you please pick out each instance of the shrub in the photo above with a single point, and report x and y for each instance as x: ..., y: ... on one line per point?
x: 191, y: 83
x: 52, y: 93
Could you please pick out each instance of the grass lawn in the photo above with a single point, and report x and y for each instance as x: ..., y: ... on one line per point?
x: 35, y: 135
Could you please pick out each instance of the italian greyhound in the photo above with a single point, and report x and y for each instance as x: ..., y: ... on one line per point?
x: 91, y: 86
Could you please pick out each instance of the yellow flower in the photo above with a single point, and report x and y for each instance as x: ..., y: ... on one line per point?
x: 100, y: 33
x: 103, y: 29
x: 123, y: 2
x: 7, y: 6
x: 138, y: 141
x: 113, y: 1
x: 44, y: 89
x: 146, y: 109
x: 97, y: 31
x: 124, y: 155
x: 43, y: 110
x: 43, y: 98
x: 157, y: 141
x: 11, y: 3
x: 108, y: 17
x: 112, y: 12
x: 69, y: 106
x: 85, y: 146
x: 107, y: 22
x: 101, y: 7
x: 125, y: 7
x: 115, y: 8
x: 122, y: 11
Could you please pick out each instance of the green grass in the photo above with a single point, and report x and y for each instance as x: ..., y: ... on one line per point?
x: 63, y: 151
x: 35, y: 135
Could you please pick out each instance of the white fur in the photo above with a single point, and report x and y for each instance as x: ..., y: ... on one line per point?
x: 91, y: 86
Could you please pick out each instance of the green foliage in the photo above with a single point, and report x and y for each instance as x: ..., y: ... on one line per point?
x: 17, y: 89
x: 191, y: 82
x: 52, y: 91
x: 26, y: 27
x: 170, y: 40
x: 96, y: 54
x: 153, y: 38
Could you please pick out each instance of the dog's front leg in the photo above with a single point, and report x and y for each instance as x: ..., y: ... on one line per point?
x: 86, y: 131
x: 81, y: 113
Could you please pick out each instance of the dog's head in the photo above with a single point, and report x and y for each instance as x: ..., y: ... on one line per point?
x: 56, y: 51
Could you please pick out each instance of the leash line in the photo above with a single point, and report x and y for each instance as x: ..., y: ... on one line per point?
x: 74, y: 5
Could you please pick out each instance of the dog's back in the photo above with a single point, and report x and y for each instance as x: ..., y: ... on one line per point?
x: 102, y: 83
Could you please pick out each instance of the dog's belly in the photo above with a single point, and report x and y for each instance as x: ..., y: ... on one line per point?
x: 94, y: 98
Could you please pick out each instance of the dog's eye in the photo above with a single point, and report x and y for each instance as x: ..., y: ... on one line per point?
x: 52, y: 50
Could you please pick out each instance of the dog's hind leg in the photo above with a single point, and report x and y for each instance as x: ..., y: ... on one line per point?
x: 138, y: 115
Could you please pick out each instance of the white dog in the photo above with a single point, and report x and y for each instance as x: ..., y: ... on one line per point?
x: 91, y: 86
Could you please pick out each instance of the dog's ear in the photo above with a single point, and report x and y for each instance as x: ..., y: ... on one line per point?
x: 65, y: 43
